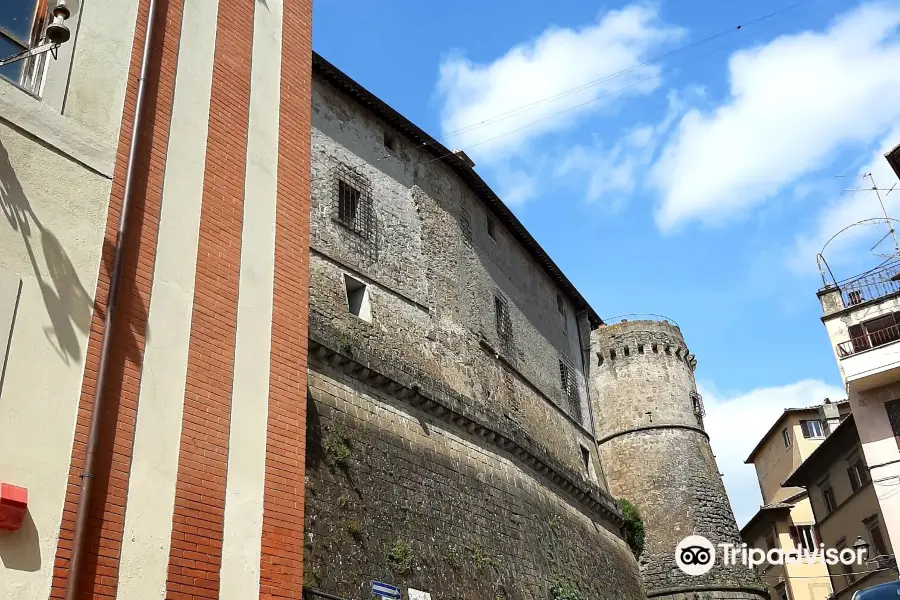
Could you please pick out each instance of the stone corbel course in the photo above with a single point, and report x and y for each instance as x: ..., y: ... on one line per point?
x: 420, y: 391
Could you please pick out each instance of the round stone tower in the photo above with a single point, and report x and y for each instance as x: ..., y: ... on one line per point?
x: 656, y: 454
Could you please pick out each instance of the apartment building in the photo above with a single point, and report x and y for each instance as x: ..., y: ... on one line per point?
x: 862, y: 317
x: 786, y: 519
x: 846, y: 509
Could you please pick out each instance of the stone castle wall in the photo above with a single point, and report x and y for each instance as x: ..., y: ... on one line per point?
x: 655, y: 453
x: 399, y: 495
x: 445, y: 453
x: 434, y: 273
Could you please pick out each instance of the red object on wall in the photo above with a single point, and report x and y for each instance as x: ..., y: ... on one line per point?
x: 13, y: 504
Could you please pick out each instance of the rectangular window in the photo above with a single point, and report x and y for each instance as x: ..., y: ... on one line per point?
x: 812, y: 429
x: 804, y: 537
x: 858, y: 473
x: 697, y: 405
x: 22, y: 24
x: 348, y: 202
x: 771, y: 544
x: 877, y: 539
x: 353, y: 201
x: 570, y: 391
x: 786, y: 437
x: 358, y: 302
x: 849, y: 577
x: 893, y: 413
x: 585, y: 458
x: 503, y: 323
x: 827, y: 496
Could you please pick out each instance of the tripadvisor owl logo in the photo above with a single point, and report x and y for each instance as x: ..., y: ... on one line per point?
x: 695, y: 555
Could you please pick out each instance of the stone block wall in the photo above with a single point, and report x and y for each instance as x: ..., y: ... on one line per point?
x: 646, y: 371
x: 657, y: 455
x: 671, y: 475
x: 435, y: 274
x: 397, y: 494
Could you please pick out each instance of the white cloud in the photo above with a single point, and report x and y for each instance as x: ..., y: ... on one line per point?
x: 486, y: 99
x: 614, y: 173
x: 736, y: 423
x: 852, y: 247
x: 793, y: 103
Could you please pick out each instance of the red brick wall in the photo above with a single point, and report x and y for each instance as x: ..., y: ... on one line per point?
x: 107, y: 515
x: 281, y: 568
x: 196, y: 553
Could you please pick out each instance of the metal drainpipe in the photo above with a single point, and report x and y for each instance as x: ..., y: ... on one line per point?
x: 79, y: 538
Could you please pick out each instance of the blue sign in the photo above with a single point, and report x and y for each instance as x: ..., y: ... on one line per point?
x: 385, y: 590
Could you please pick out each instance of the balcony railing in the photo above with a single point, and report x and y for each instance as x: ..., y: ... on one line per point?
x: 874, y: 284
x: 870, y: 340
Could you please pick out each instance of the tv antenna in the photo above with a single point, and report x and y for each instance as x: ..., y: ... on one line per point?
x: 887, y: 220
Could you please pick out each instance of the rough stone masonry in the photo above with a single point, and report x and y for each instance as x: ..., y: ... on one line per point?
x: 656, y: 453
x: 451, y: 438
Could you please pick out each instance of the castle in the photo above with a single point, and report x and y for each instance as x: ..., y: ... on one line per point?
x: 472, y: 420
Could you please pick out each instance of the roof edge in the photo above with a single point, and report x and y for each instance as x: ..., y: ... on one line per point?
x: 460, y: 165
x: 778, y: 421
x: 800, y: 475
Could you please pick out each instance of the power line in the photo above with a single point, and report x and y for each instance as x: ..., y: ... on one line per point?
x: 571, y: 108
x: 589, y: 84
x: 615, y: 74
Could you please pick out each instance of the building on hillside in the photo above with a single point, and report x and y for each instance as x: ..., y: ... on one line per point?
x: 189, y: 478
x: 656, y: 453
x: 846, y: 508
x: 786, y: 521
x: 862, y: 317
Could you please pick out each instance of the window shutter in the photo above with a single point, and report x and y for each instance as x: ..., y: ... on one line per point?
x: 804, y: 425
x: 795, y: 536
x: 854, y: 479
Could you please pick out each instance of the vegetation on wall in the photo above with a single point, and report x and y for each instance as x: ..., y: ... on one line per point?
x: 337, y: 449
x: 400, y: 557
x: 564, y: 591
x: 634, y: 527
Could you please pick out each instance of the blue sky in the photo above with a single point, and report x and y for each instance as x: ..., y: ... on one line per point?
x: 699, y: 186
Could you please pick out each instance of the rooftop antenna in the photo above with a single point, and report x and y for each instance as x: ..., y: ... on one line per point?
x: 888, y: 221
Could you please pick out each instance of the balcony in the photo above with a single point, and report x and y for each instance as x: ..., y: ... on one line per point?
x: 879, y: 282
x: 869, y: 340
x: 872, y: 359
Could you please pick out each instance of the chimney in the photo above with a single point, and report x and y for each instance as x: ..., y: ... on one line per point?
x: 829, y: 415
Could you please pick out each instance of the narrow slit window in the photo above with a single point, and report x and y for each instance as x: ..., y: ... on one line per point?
x: 491, y: 229
x: 586, y: 458
x: 358, y: 301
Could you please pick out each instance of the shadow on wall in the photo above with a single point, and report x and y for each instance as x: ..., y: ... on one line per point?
x: 20, y: 550
x: 68, y: 303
